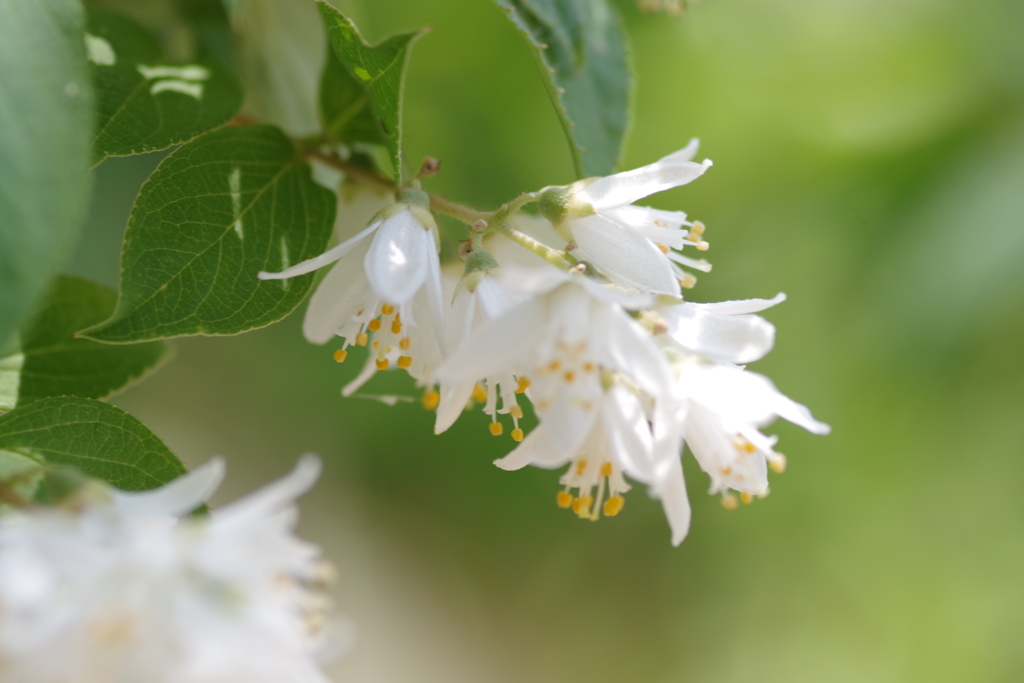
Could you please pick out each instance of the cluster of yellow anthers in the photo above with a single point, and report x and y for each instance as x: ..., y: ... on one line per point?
x: 386, y: 338
x: 584, y: 504
x: 776, y: 461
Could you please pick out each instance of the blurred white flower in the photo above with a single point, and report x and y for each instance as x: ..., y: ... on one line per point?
x: 724, y: 331
x: 632, y: 245
x: 124, y: 589
x: 387, y: 282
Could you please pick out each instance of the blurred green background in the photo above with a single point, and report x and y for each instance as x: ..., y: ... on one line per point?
x: 869, y: 162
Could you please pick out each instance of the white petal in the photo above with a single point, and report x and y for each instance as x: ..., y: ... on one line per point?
x: 496, y: 344
x: 662, y: 227
x: 395, y: 264
x: 633, y: 351
x: 675, y: 502
x: 686, y: 153
x: 337, y: 298
x: 317, y: 262
x: 730, y: 338
x: 537, y: 449
x: 625, y: 188
x: 177, y: 498
x: 628, y: 433
x: 628, y: 258
x: 454, y: 398
x: 741, y: 306
x: 276, y: 495
x: 435, y: 296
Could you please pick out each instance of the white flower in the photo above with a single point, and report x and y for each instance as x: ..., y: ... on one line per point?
x: 632, y: 245
x: 125, y: 589
x: 619, y: 441
x: 718, y: 409
x: 480, y: 296
x: 387, y: 282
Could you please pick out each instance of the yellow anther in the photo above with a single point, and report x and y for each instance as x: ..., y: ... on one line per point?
x: 387, y: 309
x: 516, y: 412
x: 396, y: 326
x: 405, y: 343
x: 496, y: 428
x: 664, y: 249
x: 613, y: 506
x: 517, y: 434
x: 362, y: 338
x: 584, y: 507
x: 697, y: 228
x: 340, y: 355
x: 744, y: 445
x: 606, y: 469
x: 581, y: 467
x: 382, y: 363
x: 726, y: 471
x: 569, y: 377
x: 564, y: 499
x: 778, y: 463
x: 703, y: 246
x: 729, y: 502
x: 747, y: 497
x: 430, y: 399
x: 576, y: 503
x: 688, y: 282
x: 522, y: 385
x: 479, y: 393
x: 376, y: 345
x: 361, y: 311
x: 405, y: 362
x: 554, y: 365
x: 373, y: 325
x: 588, y: 367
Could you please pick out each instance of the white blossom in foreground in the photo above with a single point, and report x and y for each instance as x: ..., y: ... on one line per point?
x: 632, y: 245
x: 387, y: 282
x: 125, y: 589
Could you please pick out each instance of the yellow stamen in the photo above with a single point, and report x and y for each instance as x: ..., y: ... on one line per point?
x: 569, y: 377
x: 613, y: 506
x: 387, y: 309
x: 430, y: 399
x: 382, y: 363
x: 496, y: 428
x: 362, y: 338
x: 747, y: 497
x: 405, y: 362
x: 340, y: 355
x: 564, y: 499
x: 729, y: 502
x: 361, y: 311
x: 373, y: 325
x: 688, y: 282
x: 479, y: 393
x: 581, y: 467
x: 517, y: 434
x: 554, y: 365
x: 396, y: 326
x: 576, y: 505
x: 405, y: 343
x: 516, y: 412
x: 588, y: 367
x: 606, y: 469
x: 522, y: 385
x: 697, y: 228
x: 664, y: 249
x: 703, y: 246
x: 376, y: 345
x: 584, y: 508
x: 778, y: 463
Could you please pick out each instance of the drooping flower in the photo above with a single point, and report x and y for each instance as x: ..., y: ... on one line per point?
x: 725, y: 331
x: 632, y: 245
x: 124, y: 588
x: 719, y: 410
x: 387, y: 282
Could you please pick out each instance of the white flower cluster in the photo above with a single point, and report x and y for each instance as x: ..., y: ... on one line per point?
x: 621, y: 371
x: 122, y: 587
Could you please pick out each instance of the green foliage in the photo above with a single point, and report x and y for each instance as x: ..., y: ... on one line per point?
x: 581, y: 53
x: 375, y: 75
x: 144, y: 104
x: 51, y: 362
x: 100, y: 440
x: 45, y: 128
x: 216, y: 212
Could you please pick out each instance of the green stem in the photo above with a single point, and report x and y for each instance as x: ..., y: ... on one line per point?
x: 457, y: 211
x: 552, y: 256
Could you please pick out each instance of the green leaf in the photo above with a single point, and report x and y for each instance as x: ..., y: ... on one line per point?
x: 100, y: 440
x: 375, y: 70
x: 216, y: 212
x: 51, y: 362
x: 581, y: 53
x: 45, y: 130
x: 144, y: 104
x: 344, y: 103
